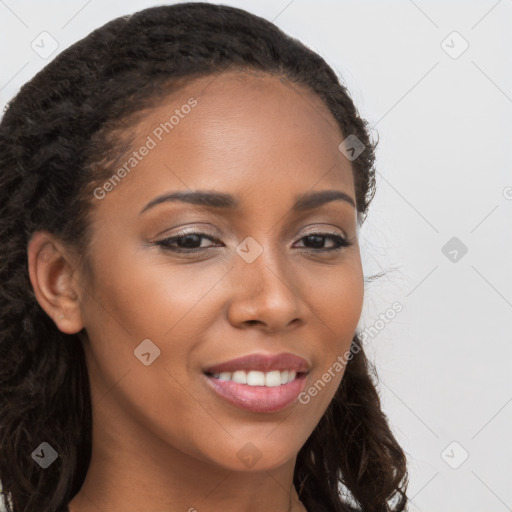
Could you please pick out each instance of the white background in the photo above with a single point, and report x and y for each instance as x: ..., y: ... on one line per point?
x: 444, y: 171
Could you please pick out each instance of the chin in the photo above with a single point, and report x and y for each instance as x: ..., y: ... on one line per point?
x: 254, y: 456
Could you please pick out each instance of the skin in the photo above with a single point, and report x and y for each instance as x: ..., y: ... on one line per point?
x: 161, y: 435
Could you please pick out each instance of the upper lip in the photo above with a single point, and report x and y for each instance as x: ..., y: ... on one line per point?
x: 262, y: 363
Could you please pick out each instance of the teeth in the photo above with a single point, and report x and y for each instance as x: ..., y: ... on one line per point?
x: 273, y: 379
x: 255, y: 378
x: 240, y: 377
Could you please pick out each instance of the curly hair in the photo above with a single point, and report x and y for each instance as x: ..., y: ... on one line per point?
x: 54, y: 135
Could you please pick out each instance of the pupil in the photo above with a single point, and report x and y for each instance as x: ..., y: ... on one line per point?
x: 182, y: 242
x: 317, y: 241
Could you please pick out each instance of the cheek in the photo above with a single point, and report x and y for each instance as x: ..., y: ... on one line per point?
x: 152, y: 297
x: 336, y: 295
x: 133, y: 300
x: 337, y: 299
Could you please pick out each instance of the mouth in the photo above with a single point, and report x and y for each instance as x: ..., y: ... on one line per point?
x: 259, y: 382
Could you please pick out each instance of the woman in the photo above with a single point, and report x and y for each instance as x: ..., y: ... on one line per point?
x: 181, y: 195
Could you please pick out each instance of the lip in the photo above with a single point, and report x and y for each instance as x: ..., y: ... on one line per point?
x: 259, y: 399
x: 262, y: 363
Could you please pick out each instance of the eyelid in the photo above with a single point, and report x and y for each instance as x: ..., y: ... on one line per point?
x: 332, y: 230
x: 168, y: 233
x: 325, y: 231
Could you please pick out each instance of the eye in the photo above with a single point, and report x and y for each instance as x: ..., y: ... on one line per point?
x: 191, y: 242
x: 318, y: 239
x: 186, y: 242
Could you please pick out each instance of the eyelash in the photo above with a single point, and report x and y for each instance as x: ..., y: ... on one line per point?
x: 166, y: 242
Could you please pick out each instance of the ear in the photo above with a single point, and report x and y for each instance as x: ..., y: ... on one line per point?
x: 54, y: 276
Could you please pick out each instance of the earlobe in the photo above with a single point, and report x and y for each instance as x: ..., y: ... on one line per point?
x: 51, y: 270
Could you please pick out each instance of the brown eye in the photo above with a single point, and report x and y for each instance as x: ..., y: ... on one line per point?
x: 317, y: 240
x: 187, y: 242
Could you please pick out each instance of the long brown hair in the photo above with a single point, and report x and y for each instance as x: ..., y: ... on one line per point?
x: 53, y: 136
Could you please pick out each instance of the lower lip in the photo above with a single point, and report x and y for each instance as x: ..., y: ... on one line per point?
x: 258, y: 398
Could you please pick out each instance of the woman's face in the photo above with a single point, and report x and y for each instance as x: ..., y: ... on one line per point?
x: 249, y: 281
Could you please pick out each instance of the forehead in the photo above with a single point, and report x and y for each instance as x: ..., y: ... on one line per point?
x: 248, y: 134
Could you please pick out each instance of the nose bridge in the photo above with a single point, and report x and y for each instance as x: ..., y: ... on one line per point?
x: 261, y: 263
x: 266, y: 292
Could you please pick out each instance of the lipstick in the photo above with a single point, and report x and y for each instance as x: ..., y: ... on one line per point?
x: 260, y: 383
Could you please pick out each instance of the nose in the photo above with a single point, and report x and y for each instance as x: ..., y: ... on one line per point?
x: 266, y: 295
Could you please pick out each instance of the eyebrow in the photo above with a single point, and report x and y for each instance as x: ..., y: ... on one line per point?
x: 303, y: 202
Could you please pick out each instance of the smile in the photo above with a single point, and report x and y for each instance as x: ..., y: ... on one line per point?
x: 255, y: 378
